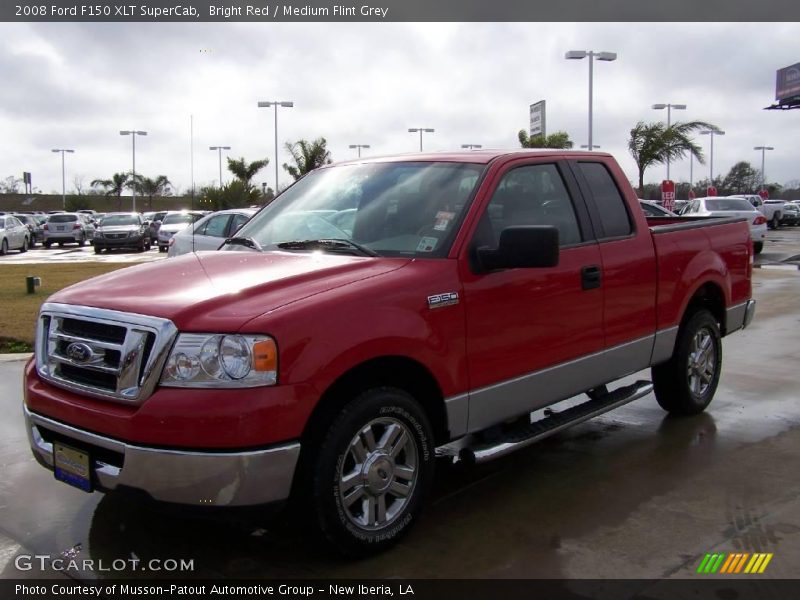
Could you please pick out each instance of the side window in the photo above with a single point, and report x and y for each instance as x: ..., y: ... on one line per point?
x: 530, y: 195
x: 217, y: 226
x: 237, y: 222
x: 610, y: 203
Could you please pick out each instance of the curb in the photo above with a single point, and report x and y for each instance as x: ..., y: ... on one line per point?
x: 15, y: 357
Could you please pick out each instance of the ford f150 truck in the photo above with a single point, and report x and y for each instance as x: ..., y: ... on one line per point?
x: 378, y: 314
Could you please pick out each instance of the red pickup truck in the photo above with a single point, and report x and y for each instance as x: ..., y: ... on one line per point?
x: 376, y: 315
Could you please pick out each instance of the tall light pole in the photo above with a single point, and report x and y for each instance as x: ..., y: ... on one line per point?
x: 276, y: 103
x: 763, y: 174
x: 420, y: 129
x: 64, y: 176
x: 580, y: 54
x: 133, y: 135
x: 471, y: 146
x: 220, y: 149
x: 359, y: 146
x: 669, y: 108
x: 712, y: 133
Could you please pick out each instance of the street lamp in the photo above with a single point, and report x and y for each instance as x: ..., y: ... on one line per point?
x: 763, y: 175
x: 420, y: 129
x: 669, y: 108
x: 712, y: 133
x: 64, y: 176
x: 276, y: 103
x: 580, y: 54
x: 133, y: 135
x: 359, y: 146
x: 220, y: 149
x: 471, y: 146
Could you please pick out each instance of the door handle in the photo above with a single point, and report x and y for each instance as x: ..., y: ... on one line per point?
x: 591, y: 277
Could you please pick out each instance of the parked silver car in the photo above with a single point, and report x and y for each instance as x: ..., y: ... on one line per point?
x: 210, y: 231
x: 172, y: 223
x: 14, y: 235
x: 62, y: 228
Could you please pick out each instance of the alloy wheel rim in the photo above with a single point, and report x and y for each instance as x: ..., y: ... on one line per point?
x: 379, y: 473
x: 702, y: 362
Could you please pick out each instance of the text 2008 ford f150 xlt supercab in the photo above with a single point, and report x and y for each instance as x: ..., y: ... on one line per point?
x: 375, y: 312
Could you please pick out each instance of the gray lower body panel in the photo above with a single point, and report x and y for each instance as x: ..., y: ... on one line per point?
x: 508, y: 399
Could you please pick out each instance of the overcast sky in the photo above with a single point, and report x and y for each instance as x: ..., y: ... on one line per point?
x: 76, y: 85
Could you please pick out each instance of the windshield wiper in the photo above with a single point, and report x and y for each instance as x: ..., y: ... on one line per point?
x: 329, y: 244
x: 243, y: 241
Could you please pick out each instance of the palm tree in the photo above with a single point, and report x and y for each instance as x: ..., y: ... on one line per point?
x: 244, y: 171
x: 655, y: 143
x: 114, y: 186
x: 152, y: 187
x: 559, y: 139
x: 307, y: 156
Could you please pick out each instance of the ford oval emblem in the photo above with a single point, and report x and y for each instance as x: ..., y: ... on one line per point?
x: 79, y: 352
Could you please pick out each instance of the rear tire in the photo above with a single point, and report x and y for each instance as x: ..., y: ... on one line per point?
x: 685, y: 384
x: 758, y: 247
x: 24, y: 246
x: 97, y: 249
x: 373, y: 471
x: 82, y: 241
x: 776, y: 221
x: 4, y: 248
x: 48, y: 244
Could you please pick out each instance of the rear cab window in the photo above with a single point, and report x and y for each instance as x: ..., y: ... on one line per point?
x: 611, y: 207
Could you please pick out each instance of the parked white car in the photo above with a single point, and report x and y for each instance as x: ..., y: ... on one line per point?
x: 731, y: 206
x: 14, y: 235
x: 209, y: 232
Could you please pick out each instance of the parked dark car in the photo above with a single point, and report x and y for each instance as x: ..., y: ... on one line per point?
x: 122, y: 230
x: 36, y: 234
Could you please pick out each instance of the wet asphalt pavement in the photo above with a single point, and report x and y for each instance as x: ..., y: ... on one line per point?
x: 631, y: 494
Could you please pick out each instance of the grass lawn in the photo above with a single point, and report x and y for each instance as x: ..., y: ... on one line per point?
x: 19, y: 309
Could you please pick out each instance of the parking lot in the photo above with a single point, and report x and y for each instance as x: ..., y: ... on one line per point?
x: 631, y: 494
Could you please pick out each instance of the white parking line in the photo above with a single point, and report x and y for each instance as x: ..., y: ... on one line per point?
x: 86, y: 254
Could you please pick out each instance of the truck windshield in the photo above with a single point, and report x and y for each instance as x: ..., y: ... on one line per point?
x: 390, y: 209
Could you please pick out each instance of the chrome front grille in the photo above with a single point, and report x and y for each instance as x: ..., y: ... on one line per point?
x: 102, y: 353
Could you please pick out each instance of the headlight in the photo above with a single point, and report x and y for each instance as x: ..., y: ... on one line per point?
x: 208, y: 360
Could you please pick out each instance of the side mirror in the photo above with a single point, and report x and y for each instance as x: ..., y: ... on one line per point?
x: 522, y: 247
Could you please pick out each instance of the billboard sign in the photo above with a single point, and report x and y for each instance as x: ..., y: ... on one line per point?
x: 787, y: 83
x: 538, y: 119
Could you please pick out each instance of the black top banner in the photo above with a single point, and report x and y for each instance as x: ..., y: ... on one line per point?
x: 259, y: 11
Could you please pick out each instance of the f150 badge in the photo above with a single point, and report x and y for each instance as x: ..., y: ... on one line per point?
x: 439, y: 300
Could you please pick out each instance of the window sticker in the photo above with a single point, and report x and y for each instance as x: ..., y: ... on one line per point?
x: 443, y: 220
x: 427, y: 244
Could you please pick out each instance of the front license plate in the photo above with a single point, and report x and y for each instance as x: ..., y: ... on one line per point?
x: 72, y: 466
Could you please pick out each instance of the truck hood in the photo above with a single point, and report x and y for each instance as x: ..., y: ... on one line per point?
x: 221, y: 291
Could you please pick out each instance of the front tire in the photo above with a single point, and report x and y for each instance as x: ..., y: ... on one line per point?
x: 373, y: 471
x: 686, y: 383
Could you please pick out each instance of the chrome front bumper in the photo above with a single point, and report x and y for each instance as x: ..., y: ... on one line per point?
x: 183, y: 477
